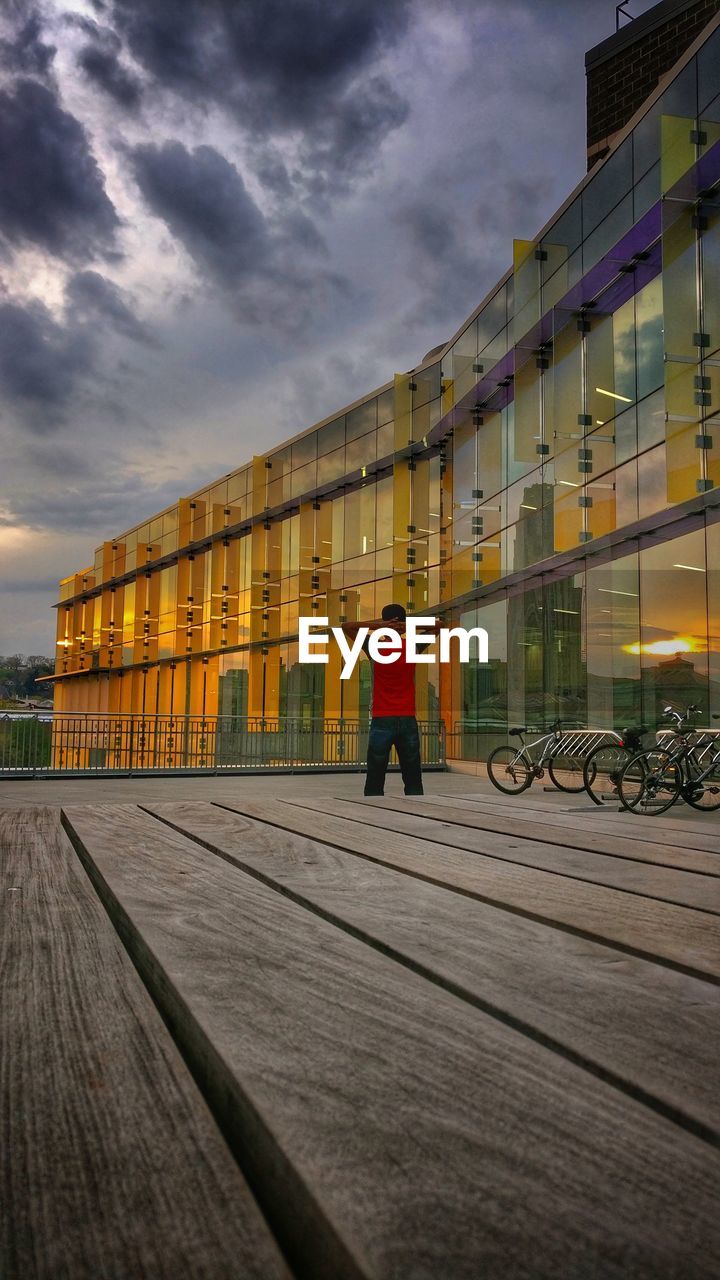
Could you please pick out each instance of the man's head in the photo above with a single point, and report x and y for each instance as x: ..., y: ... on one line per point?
x: 393, y: 613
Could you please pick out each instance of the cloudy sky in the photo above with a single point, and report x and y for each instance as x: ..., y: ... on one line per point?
x: 221, y: 220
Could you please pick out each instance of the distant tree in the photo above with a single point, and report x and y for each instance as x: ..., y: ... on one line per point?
x: 19, y: 675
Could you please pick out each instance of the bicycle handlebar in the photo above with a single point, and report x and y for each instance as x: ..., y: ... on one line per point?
x: 669, y: 713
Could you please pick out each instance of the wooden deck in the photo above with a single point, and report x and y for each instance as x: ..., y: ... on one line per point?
x: 441, y: 1038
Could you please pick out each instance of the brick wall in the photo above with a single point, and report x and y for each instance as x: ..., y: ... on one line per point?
x: 617, y: 86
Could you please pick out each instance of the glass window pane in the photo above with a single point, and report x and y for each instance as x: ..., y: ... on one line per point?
x: 361, y: 420
x: 649, y: 332
x: 304, y: 450
x: 610, y: 182
x: 491, y: 319
x: 708, y: 63
x: 606, y: 235
x: 673, y: 642
x: 331, y: 436
x: 646, y: 142
x: 385, y: 409
x: 613, y: 634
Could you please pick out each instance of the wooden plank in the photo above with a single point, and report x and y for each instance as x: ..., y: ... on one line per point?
x: 666, y: 884
x: 113, y: 1165
x: 681, y: 817
x: 654, y: 838
x: 653, y: 1030
x: 412, y: 1134
x: 667, y: 847
x: 571, y: 835
x: 659, y: 931
x: 668, y: 830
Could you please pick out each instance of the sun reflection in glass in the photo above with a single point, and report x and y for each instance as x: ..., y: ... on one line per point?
x: 667, y: 648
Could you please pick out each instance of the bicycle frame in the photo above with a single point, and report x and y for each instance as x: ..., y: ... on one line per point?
x: 685, y: 753
x: 536, y: 765
x: 690, y: 759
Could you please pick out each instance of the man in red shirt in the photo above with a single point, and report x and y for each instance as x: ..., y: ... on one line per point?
x: 393, y: 722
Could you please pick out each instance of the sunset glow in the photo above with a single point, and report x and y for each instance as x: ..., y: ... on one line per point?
x: 666, y: 648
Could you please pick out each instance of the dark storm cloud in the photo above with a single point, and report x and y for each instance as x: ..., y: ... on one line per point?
x: 203, y: 200
x: 429, y: 227
x: 300, y: 232
x: 92, y: 296
x: 518, y: 202
x: 26, y: 52
x: 28, y: 585
x: 271, y: 171
x: 344, y: 144
x: 51, y: 367
x: 457, y: 252
x: 293, y: 53
x: 108, y: 499
x: 41, y: 363
x: 100, y: 60
x: 52, y: 193
x: 262, y: 266
x: 445, y: 262
x: 280, y: 67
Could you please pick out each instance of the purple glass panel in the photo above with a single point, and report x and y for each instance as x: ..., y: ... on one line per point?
x: 604, y: 285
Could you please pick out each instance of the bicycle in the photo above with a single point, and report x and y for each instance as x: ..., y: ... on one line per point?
x: 652, y: 781
x: 604, y: 764
x: 513, y: 771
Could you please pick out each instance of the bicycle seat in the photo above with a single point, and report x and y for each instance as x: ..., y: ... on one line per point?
x: 515, y: 733
x: 631, y: 736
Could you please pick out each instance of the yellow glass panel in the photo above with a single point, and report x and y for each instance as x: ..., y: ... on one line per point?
x: 680, y: 297
x: 489, y: 569
x: 601, y: 517
x: 259, y: 485
x: 604, y: 399
x: 683, y: 461
x: 567, y: 519
x: 489, y: 449
x: 680, y: 389
x: 677, y: 151
x: 712, y: 428
x: 403, y: 410
x: 402, y: 478
x: 710, y: 248
x: 562, y: 385
x: 526, y: 273
x: 528, y: 402
x: 555, y: 275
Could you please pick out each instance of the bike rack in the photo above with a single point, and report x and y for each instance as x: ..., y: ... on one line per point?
x: 580, y: 742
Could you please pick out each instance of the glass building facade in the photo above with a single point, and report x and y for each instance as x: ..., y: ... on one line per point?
x: 551, y: 474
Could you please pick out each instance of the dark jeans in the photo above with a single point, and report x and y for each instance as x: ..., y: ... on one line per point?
x: 400, y: 732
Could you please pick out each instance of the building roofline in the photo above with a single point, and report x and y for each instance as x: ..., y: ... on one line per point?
x: 635, y: 30
x: 618, y: 140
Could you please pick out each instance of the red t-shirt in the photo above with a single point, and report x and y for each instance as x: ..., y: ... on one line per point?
x: 394, y: 687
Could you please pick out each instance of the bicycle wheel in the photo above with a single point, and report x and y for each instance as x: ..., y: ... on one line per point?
x: 602, y: 769
x: 507, y: 771
x: 566, y: 773
x: 703, y: 793
x: 649, y: 783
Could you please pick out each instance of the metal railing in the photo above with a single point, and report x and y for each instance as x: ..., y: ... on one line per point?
x: 95, y: 745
